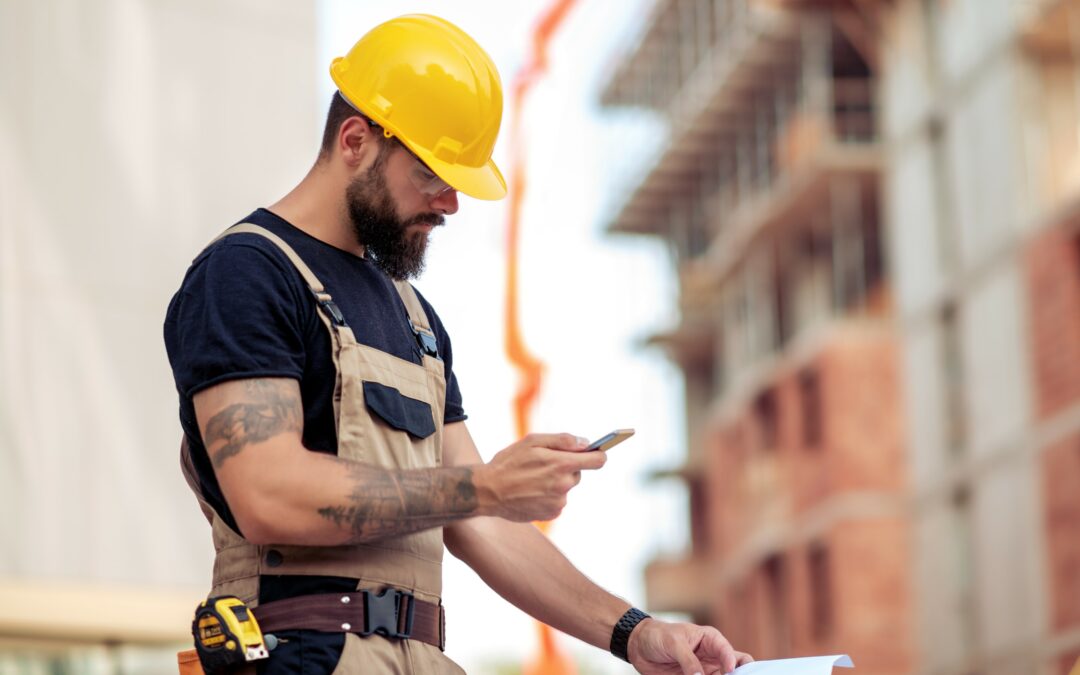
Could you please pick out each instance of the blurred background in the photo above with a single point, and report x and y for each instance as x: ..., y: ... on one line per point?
x: 823, y: 254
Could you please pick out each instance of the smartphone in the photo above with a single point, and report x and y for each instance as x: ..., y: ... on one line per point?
x: 611, y: 440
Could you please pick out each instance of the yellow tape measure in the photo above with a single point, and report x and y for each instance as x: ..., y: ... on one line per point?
x: 226, y: 634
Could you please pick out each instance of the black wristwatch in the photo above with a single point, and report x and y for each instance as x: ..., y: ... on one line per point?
x: 620, y: 636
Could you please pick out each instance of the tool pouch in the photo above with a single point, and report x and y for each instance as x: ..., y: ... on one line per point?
x: 188, y: 660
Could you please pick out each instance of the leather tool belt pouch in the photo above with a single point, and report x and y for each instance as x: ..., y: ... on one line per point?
x: 391, y: 613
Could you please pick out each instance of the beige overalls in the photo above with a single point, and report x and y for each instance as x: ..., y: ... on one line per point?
x: 413, y: 561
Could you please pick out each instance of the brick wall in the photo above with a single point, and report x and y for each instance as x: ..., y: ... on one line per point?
x: 1061, y: 490
x: 1053, y: 275
x: 846, y: 584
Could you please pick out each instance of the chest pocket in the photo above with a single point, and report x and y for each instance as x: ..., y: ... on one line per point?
x: 398, y: 410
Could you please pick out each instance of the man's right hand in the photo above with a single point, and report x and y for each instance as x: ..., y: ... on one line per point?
x: 530, y: 479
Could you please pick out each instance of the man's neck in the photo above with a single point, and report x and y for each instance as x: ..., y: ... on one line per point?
x: 317, y: 206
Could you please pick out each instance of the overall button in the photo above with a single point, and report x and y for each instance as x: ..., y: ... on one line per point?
x: 274, y: 558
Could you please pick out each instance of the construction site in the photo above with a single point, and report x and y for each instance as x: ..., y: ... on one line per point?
x: 874, y: 210
x: 871, y: 209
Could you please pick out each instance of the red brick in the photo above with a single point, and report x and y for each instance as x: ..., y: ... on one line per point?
x: 1061, y: 487
x: 1052, y: 264
x: 1066, y: 663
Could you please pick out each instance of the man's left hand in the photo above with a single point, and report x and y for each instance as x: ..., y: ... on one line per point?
x: 660, y: 648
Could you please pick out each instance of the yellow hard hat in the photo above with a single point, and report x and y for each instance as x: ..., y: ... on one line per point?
x: 427, y: 83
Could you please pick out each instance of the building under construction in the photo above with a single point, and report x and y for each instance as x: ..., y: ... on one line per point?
x: 874, y: 208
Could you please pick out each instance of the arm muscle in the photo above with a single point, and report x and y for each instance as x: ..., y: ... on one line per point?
x: 282, y: 493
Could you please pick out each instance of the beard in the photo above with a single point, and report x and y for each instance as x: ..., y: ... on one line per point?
x: 386, y: 237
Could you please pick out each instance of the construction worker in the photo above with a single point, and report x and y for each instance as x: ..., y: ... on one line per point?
x: 324, y: 430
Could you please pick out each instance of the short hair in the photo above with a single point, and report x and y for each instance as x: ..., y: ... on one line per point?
x: 340, y: 110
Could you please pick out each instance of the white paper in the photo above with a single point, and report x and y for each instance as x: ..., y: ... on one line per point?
x: 810, y: 665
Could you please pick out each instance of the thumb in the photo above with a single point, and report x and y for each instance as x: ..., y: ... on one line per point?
x: 567, y: 442
x: 687, y: 660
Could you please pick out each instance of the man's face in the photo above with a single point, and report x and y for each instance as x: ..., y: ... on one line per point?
x: 394, y: 242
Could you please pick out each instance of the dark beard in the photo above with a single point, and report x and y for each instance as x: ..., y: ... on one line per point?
x: 386, y: 238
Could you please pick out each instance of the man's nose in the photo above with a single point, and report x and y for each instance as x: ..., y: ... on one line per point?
x: 445, y: 202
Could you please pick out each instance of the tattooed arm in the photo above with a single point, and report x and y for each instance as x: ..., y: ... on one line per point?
x: 282, y: 493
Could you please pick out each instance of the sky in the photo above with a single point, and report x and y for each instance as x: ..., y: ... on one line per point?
x: 588, y: 299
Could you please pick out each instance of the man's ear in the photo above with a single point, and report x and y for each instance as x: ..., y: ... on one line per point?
x: 357, y: 142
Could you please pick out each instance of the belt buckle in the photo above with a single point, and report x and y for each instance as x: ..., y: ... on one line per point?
x: 382, y: 613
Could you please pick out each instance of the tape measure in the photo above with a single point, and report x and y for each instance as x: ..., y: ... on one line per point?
x: 226, y: 634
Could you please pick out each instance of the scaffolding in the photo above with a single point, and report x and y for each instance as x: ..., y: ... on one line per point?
x: 767, y: 190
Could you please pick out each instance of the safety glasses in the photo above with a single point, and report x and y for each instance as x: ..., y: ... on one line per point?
x: 423, y: 179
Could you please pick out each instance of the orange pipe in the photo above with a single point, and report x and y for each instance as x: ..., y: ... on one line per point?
x: 550, y: 660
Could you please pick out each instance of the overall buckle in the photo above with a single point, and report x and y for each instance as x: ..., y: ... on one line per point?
x: 383, y: 613
x: 329, y: 308
x: 426, y: 341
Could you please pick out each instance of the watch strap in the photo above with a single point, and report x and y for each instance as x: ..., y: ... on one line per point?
x: 620, y: 635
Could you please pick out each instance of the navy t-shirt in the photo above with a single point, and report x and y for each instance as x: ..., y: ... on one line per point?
x: 244, y: 311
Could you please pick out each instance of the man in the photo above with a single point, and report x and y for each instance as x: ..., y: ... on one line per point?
x: 324, y: 430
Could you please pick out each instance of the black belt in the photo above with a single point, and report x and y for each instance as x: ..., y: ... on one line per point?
x: 392, y: 613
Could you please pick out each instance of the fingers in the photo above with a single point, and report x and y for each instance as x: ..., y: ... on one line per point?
x: 588, y: 461
x: 571, y: 446
x: 687, y: 660
x: 660, y: 645
x: 715, y: 645
x: 531, y: 478
x: 568, y: 442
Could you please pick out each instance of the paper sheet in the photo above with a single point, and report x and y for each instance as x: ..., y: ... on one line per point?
x: 810, y: 665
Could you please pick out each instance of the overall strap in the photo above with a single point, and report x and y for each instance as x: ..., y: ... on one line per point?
x: 425, y: 337
x: 331, y: 314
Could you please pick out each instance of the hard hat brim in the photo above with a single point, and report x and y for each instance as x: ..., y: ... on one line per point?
x: 480, y: 182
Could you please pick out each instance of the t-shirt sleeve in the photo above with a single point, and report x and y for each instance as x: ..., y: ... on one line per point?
x: 455, y: 409
x: 237, y: 315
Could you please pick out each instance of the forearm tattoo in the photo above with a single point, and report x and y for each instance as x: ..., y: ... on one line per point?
x: 387, y: 503
x: 381, y: 503
x: 273, y: 408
